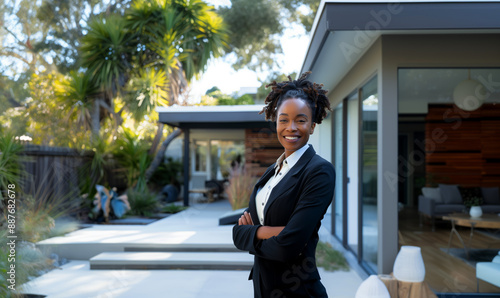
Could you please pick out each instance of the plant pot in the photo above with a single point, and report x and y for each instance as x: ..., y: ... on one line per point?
x: 476, y: 211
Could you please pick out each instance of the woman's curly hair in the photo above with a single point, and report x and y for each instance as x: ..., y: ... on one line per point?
x: 310, y: 92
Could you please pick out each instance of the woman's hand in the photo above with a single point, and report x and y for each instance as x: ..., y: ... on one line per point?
x: 245, y: 219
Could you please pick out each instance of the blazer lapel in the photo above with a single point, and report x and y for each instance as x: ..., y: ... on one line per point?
x: 290, y: 178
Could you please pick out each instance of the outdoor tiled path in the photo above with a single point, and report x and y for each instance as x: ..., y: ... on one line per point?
x: 195, y: 226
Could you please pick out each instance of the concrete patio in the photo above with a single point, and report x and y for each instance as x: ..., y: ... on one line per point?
x: 184, y: 255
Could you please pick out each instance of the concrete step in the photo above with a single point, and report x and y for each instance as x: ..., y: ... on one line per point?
x: 182, y: 247
x: 85, y: 251
x: 172, y: 260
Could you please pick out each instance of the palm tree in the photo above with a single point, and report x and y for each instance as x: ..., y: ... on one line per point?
x: 149, y: 55
x: 76, y: 93
x: 105, y: 52
x: 179, y: 36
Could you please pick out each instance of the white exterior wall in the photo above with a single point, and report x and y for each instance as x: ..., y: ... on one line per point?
x: 359, y: 74
x: 321, y: 139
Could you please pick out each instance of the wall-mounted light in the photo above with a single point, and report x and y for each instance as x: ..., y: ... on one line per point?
x: 469, y: 94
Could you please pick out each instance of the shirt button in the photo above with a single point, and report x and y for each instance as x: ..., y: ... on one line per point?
x: 281, y: 173
x: 262, y: 204
x: 261, y: 219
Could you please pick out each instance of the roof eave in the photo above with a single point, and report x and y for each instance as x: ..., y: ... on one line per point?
x: 405, y: 18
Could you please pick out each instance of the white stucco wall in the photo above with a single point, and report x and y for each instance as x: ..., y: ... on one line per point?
x: 321, y: 139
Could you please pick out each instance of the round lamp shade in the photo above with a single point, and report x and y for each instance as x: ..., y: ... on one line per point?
x: 469, y: 95
x: 409, y: 265
x: 372, y: 287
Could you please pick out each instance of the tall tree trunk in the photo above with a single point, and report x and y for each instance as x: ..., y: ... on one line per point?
x: 156, y: 140
x: 161, y: 152
x: 95, y: 119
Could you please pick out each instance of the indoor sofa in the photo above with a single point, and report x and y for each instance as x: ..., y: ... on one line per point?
x: 446, y: 199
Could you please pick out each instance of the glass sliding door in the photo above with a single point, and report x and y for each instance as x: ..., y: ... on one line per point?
x: 355, y: 135
x: 368, y: 175
x: 352, y: 157
x: 339, y: 204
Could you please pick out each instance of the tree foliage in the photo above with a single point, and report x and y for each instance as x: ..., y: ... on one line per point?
x: 215, y: 97
x: 74, y: 63
x: 88, y: 64
x: 257, y: 26
x: 301, y: 11
x: 48, y: 124
x: 147, y: 56
x: 104, y: 51
x: 74, y: 93
x: 45, y: 35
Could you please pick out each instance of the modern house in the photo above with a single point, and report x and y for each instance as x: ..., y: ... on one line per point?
x: 394, y: 71
x: 215, y: 137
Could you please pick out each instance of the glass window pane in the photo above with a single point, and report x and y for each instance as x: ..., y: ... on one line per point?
x: 369, y: 173
x: 201, y: 149
x: 224, y: 155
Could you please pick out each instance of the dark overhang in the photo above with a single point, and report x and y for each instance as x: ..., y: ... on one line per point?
x: 216, y: 117
x: 380, y: 17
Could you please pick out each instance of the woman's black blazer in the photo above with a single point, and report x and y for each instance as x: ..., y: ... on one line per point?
x: 285, y: 265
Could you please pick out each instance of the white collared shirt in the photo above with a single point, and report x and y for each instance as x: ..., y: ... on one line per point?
x: 265, y: 191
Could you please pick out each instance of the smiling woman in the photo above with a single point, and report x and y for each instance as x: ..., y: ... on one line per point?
x: 294, y: 125
x: 280, y: 226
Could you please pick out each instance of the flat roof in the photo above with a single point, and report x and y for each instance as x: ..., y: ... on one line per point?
x: 238, y: 116
x: 392, y: 17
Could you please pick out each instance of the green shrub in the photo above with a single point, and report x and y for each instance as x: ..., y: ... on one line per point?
x: 173, y: 208
x: 39, y: 208
x: 142, y: 203
x: 11, y: 168
x: 167, y: 173
x: 329, y: 258
x: 29, y: 262
x: 132, y: 154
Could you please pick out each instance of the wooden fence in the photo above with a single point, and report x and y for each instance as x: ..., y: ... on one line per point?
x: 60, y: 171
x: 53, y: 170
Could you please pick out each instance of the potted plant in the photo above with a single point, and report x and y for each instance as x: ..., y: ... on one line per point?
x: 474, y: 203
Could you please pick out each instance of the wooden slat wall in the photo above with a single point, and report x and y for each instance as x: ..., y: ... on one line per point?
x: 463, y: 147
x: 262, y: 149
